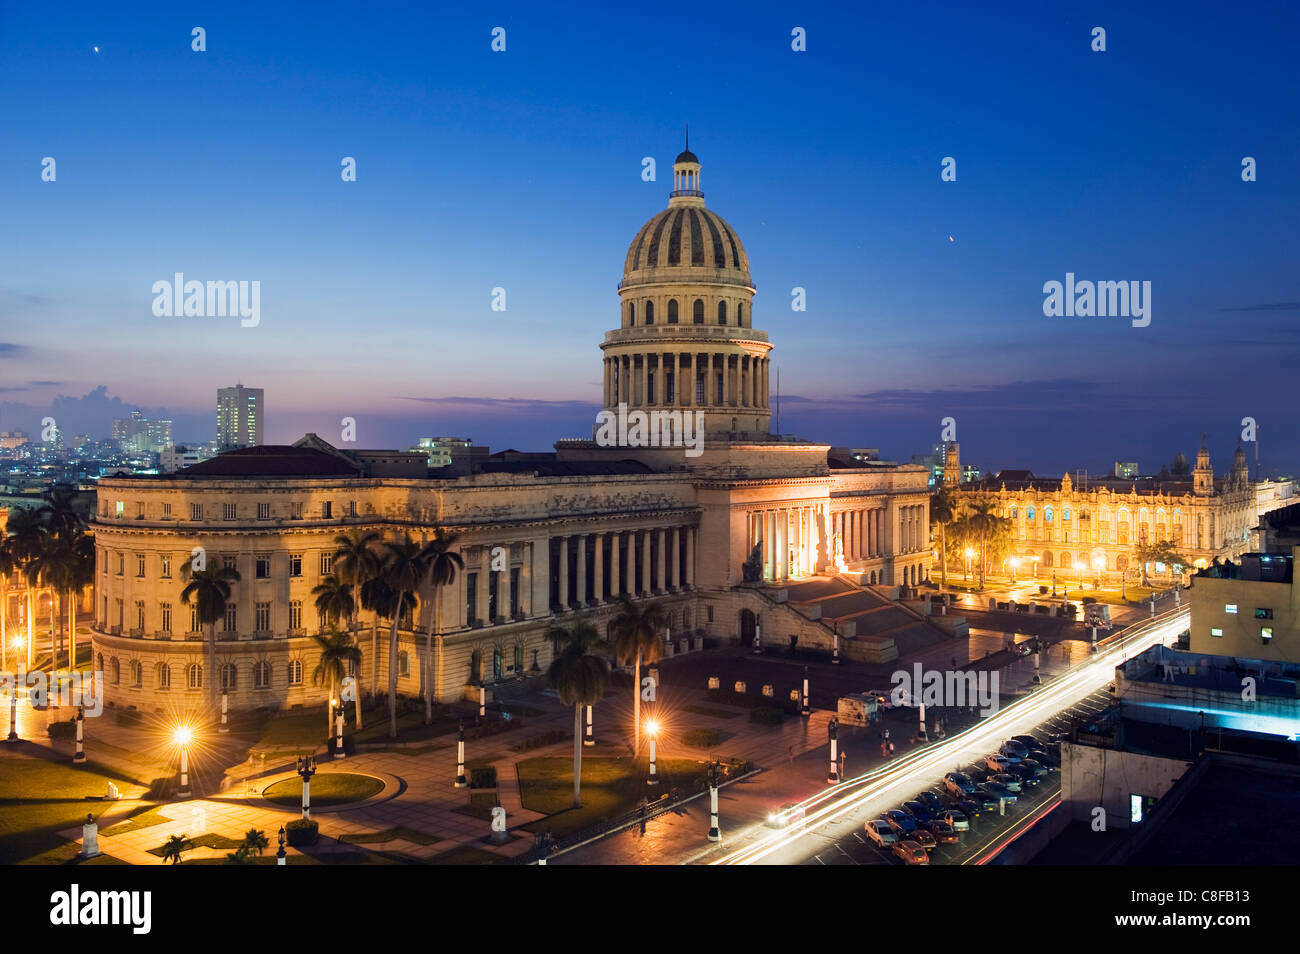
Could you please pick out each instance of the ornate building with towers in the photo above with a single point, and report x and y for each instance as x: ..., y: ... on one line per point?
x: 740, y: 533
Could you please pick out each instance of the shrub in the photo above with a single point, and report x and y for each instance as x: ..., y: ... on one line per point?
x: 483, y: 777
x: 128, y: 717
x: 541, y: 739
x: 301, y: 831
x: 1088, y: 599
x: 702, y: 738
x: 62, y: 730
x: 1042, y: 590
x: 766, y: 715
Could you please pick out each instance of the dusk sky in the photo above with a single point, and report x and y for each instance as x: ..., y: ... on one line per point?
x: 522, y: 169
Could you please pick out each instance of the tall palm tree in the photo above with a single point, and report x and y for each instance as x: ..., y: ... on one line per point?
x: 443, y: 563
x: 356, y: 559
x: 6, y: 570
x: 172, y: 848
x: 58, y: 513
x: 942, y: 512
x: 580, y: 675
x: 634, y: 633
x: 402, y: 570
x: 982, y: 518
x: 209, y: 588
x: 336, y: 654
x: 26, y: 538
x: 40, y: 568
x: 334, y: 601
x: 70, y: 562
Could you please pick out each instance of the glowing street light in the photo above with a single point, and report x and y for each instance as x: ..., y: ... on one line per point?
x: 183, y: 736
x: 652, y: 732
x: 1015, y: 562
x: 1097, y: 564
x: 970, y: 555
x: 1079, y: 567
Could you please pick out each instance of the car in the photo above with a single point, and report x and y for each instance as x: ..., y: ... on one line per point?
x: 1028, y: 741
x: 880, y: 832
x: 787, y: 815
x: 1027, y: 776
x: 957, y: 819
x: 1049, y: 755
x: 1038, y: 768
x: 1013, y: 750
x: 901, y: 822
x: 994, y: 790
x: 918, y: 810
x: 930, y: 801
x: 997, y: 763
x: 923, y: 838
x: 910, y: 853
x: 959, y: 783
x: 943, y: 833
x: 883, y: 699
x: 1008, y: 780
x: 979, y: 799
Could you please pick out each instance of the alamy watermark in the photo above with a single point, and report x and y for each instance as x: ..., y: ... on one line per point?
x: 952, y: 687
x: 193, y: 299
x: 651, y: 429
x: 1087, y: 299
x: 67, y: 688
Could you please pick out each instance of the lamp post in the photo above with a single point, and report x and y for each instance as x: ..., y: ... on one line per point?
x: 80, y: 754
x: 832, y: 730
x: 589, y: 736
x: 803, y: 704
x: 1014, y: 562
x: 652, y: 731
x: 970, y: 555
x: 1038, y: 646
x: 758, y: 637
x: 183, y: 736
x: 20, y: 681
x: 715, y: 776
x: 1079, y: 567
x: 1097, y: 563
x: 920, y: 711
x: 1053, y: 581
x: 461, y: 780
x: 338, y: 732
x: 482, y: 699
x: 306, y: 769
x: 280, y: 853
x: 835, y: 648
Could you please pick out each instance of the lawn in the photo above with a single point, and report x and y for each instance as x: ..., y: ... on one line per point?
x: 401, y: 832
x: 327, y: 788
x: 39, y: 797
x: 610, y: 786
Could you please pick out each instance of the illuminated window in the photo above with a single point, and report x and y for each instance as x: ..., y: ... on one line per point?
x: 1066, y: 514
x: 194, y: 676
x: 1029, y: 513
x: 119, y: 507
x: 1230, y: 608
x: 1266, y: 633
x: 1047, y: 514
x: 295, y: 672
x: 1216, y: 632
x: 403, y: 664
x: 1263, y: 612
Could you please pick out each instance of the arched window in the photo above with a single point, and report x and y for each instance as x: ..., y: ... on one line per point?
x: 496, y: 662
x: 1014, y: 513
x: 403, y: 663
x: 164, y: 674
x: 261, y: 674
x: 519, y: 657
x: 722, y: 312
x: 295, y: 672
x: 229, y: 676
x: 672, y: 311
x: 631, y: 313
x: 194, y: 676
x: 698, y: 309
x: 1047, y: 558
x: 117, y: 670
x: 1047, y: 514
x: 740, y: 314
x: 649, y: 313
x: 1065, y: 515
x: 100, y: 667
x: 1029, y: 513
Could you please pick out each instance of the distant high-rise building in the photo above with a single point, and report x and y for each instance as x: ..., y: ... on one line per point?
x: 240, y: 416
x: 139, y: 434
x: 445, y: 451
x: 1126, y: 468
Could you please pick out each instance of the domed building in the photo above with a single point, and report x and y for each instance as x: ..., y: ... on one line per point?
x: 690, y: 500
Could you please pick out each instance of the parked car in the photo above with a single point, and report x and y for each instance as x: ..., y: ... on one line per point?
x: 930, y: 801
x: 997, y: 763
x: 879, y: 831
x: 787, y: 815
x: 883, y: 699
x: 996, y: 791
x: 910, y: 853
x: 901, y: 822
x: 943, y: 833
x: 1028, y: 741
x: 957, y: 819
x: 1038, y: 768
x: 1008, y: 780
x: 918, y: 810
x: 1014, y: 750
x: 959, y: 783
x: 1026, y: 775
x: 923, y: 838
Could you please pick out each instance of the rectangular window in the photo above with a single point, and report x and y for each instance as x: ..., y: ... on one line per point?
x: 261, y: 675
x: 1230, y: 608
x: 670, y: 388
x: 719, y: 400
x: 139, y: 564
x: 471, y: 597
x: 232, y: 620
x: 327, y: 510
x: 228, y: 562
x: 1216, y: 632
x: 119, y: 508
x: 699, y: 387
x: 194, y: 617
x: 228, y: 511
x: 295, y: 564
x: 295, y: 614
x: 196, y: 511
x: 166, y: 609
x: 264, y: 511
x: 119, y: 614
x: 263, y: 571
x: 650, y: 388
x: 263, y: 624
x: 1263, y: 612
x: 167, y: 511
x: 1266, y: 633
x: 139, y: 615
x: 121, y: 564
x: 139, y: 510
x: 295, y: 511
x: 165, y: 562
x: 326, y: 564
x: 352, y: 508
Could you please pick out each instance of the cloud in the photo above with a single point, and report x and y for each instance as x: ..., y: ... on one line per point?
x: 44, y: 384
x: 10, y: 350
x: 497, y: 404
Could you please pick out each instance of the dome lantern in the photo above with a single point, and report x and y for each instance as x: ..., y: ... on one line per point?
x: 686, y: 178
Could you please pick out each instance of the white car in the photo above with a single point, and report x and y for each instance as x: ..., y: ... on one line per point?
x: 878, y: 831
x: 997, y: 763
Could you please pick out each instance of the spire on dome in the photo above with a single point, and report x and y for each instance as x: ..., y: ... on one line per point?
x: 686, y: 177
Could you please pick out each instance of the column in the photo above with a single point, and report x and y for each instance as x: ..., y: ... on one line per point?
x: 526, y: 581
x: 598, y: 568
x: 690, y: 556
x: 484, y: 569
x: 676, y: 578
x: 645, y: 562
x: 630, y: 587
x: 581, y: 570
x: 726, y: 381
x: 615, y: 581
x: 661, y: 579
x: 504, y: 607
x: 564, y: 573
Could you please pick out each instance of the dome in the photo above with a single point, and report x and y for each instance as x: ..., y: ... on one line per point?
x: 687, y: 156
x: 687, y: 237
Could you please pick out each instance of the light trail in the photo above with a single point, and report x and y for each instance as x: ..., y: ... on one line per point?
x: 834, y: 804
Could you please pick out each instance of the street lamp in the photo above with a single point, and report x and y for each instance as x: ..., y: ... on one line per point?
x: 1097, y: 564
x: 306, y: 769
x: 279, y: 854
x: 970, y: 555
x: 1015, y: 562
x: 225, y: 704
x: 338, y: 731
x: 20, y: 682
x: 80, y: 755
x: 1079, y: 567
x: 183, y: 736
x: 652, y: 731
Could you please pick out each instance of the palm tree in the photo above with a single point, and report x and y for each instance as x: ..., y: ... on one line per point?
x: 171, y: 850
x: 443, y: 564
x: 379, y: 598
x: 209, y: 588
x: 58, y: 513
x: 334, y: 601
x: 40, y: 567
x: 355, y: 559
x: 27, y: 536
x: 6, y: 569
x: 580, y: 675
x: 982, y: 519
x: 402, y: 570
x: 336, y: 654
x: 635, y: 635
x: 942, y: 512
x: 255, y: 841
x: 70, y: 568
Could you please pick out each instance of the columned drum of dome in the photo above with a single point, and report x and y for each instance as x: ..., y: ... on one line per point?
x: 686, y: 338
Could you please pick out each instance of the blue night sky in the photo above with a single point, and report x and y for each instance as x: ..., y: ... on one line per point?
x: 522, y: 170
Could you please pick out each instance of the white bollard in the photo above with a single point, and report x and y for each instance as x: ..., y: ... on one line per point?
x: 80, y: 754
x: 833, y: 776
x: 921, y: 715
x: 225, y: 725
x: 715, y: 833
x: 589, y: 737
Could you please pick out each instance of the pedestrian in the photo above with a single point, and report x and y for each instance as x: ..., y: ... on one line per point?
x: 886, y: 735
